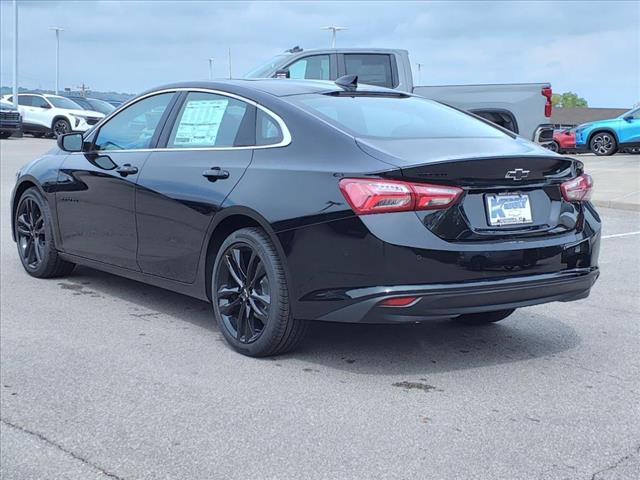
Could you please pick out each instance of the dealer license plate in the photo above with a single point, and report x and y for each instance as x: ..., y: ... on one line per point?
x: 510, y: 209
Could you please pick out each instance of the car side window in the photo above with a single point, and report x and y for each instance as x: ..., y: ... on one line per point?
x: 134, y: 127
x: 373, y: 69
x: 24, y: 100
x: 314, y: 67
x: 268, y: 132
x: 39, y: 102
x: 210, y: 120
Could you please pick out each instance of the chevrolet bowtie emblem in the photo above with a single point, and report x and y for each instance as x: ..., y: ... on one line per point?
x: 517, y: 174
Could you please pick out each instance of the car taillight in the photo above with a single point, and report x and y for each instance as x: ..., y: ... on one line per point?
x: 547, y: 92
x: 577, y: 189
x: 367, y: 196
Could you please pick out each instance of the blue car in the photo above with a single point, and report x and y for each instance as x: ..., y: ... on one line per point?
x: 606, y: 137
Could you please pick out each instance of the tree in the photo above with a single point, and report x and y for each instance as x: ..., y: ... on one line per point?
x: 568, y: 99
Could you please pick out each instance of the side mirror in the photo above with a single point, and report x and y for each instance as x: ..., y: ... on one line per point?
x: 45, y: 106
x: 628, y: 118
x: 283, y: 73
x: 70, y: 142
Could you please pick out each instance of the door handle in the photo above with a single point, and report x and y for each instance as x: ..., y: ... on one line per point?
x: 215, y: 173
x: 127, y: 169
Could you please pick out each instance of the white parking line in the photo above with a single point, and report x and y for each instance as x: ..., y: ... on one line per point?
x: 621, y: 235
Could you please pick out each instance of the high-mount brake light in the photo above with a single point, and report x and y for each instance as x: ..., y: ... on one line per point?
x: 367, y: 196
x: 577, y: 189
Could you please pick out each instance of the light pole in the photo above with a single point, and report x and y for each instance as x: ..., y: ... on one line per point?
x: 333, y: 29
x: 15, y: 53
x: 57, y: 30
x: 210, y: 68
x: 420, y: 65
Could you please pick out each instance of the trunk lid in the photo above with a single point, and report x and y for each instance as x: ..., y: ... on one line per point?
x: 500, y: 177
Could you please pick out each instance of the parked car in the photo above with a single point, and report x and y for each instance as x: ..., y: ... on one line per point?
x: 94, y: 104
x: 115, y: 103
x: 44, y: 114
x: 10, y: 120
x: 564, y: 141
x: 523, y: 108
x: 606, y: 137
x: 286, y: 201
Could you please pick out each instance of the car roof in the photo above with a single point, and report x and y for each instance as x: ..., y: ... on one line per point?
x: 279, y: 87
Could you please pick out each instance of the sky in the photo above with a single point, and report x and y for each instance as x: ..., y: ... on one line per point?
x: 588, y: 47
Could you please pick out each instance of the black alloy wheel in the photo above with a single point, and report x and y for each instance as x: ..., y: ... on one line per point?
x: 34, y: 237
x: 243, y: 293
x: 60, y: 127
x: 250, y: 296
x: 31, y: 233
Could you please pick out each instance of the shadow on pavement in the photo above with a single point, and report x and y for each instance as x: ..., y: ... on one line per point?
x: 429, y: 347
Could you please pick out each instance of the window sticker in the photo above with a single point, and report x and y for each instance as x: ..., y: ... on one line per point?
x: 200, y: 123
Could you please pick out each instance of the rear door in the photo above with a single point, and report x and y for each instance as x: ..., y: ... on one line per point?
x: 25, y: 108
x: 96, y: 201
x: 207, y: 147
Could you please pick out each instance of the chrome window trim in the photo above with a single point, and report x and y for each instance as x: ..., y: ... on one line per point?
x: 286, y: 135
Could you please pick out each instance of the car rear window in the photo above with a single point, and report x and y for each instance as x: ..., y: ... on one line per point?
x: 394, y: 116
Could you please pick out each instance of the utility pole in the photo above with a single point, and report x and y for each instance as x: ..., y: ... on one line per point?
x: 419, y: 65
x: 57, y: 30
x: 83, y: 89
x: 211, y: 69
x: 15, y: 53
x: 333, y: 29
x: 229, y: 63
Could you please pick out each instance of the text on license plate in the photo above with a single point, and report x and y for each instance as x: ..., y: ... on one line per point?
x: 510, y: 209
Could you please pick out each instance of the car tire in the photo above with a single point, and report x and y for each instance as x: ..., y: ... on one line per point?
x: 603, y: 143
x: 60, y: 127
x: 484, y: 318
x: 34, y: 237
x: 5, y: 135
x: 250, y: 296
x: 553, y: 146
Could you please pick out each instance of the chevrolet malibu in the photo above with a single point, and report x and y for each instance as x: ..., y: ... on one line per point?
x: 283, y: 201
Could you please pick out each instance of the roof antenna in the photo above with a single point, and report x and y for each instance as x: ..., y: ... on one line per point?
x: 348, y: 82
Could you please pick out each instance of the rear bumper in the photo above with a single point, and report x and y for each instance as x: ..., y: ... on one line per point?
x: 450, y: 300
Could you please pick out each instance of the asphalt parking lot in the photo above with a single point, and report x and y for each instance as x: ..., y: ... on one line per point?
x: 103, y: 377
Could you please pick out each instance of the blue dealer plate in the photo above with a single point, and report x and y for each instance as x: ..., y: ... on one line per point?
x: 511, y: 209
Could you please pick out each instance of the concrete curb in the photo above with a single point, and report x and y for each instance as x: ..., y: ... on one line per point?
x: 634, y: 207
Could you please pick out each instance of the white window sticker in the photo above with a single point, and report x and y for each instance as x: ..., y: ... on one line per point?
x: 200, y: 123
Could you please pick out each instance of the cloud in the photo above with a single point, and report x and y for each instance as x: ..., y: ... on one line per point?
x: 131, y: 46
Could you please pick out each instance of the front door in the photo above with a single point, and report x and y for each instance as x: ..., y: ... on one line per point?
x: 96, y: 201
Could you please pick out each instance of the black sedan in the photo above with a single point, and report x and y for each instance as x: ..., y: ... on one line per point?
x: 282, y: 201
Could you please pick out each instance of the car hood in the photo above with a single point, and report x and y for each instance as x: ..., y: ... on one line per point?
x: 86, y: 113
x: 599, y: 123
x: 405, y: 153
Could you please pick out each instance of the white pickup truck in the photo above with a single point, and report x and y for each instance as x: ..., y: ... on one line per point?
x: 523, y: 108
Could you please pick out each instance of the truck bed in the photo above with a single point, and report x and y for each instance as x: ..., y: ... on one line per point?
x: 515, y: 100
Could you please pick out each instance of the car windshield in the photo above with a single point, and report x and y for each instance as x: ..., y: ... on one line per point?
x: 394, y: 116
x: 61, y: 102
x: 263, y: 70
x: 634, y: 112
x: 101, y: 106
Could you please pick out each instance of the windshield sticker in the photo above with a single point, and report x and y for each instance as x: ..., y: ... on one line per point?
x: 200, y: 123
